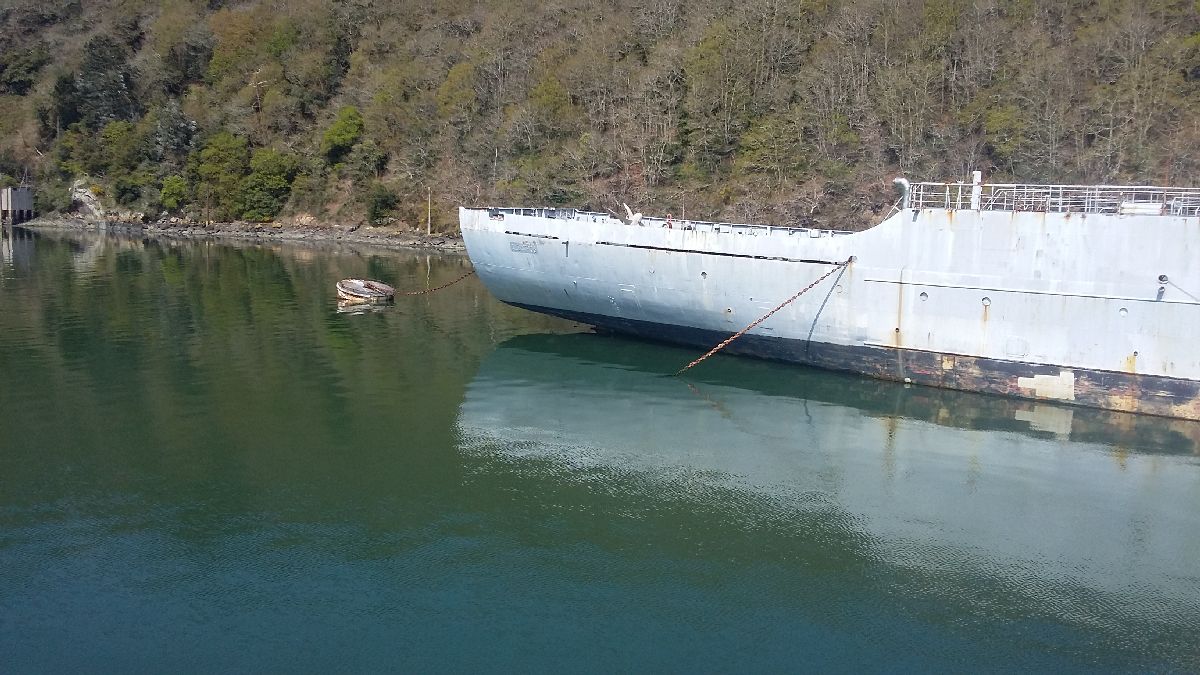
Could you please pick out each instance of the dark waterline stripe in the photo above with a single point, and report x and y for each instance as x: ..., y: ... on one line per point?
x: 1104, y: 389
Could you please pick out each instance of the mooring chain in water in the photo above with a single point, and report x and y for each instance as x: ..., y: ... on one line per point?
x: 785, y: 303
x: 438, y: 288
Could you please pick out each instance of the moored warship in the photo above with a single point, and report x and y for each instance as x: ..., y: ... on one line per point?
x: 1081, y: 294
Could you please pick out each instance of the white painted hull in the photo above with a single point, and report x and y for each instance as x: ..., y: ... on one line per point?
x: 1041, y: 305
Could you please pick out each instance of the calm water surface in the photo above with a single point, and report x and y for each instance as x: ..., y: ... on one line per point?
x: 205, y: 466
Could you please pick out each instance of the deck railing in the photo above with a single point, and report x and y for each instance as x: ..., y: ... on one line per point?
x: 1113, y: 199
x: 498, y: 213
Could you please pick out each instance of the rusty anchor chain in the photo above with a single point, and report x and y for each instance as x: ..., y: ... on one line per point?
x: 785, y: 303
x: 436, y: 288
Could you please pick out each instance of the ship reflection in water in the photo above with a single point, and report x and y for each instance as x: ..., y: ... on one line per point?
x: 1048, y: 524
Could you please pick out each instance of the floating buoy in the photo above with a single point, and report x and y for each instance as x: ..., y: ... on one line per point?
x: 364, y: 291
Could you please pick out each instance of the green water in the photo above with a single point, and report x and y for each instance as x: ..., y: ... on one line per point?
x: 205, y: 466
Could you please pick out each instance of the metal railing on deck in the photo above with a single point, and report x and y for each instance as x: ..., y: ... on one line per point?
x: 1113, y: 199
x: 498, y: 213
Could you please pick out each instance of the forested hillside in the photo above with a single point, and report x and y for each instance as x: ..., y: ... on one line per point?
x: 783, y: 111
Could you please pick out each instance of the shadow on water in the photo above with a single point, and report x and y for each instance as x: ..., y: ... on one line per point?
x: 992, y: 518
x: 877, y: 398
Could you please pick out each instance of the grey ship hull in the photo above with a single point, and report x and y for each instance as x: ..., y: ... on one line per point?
x: 1045, y: 306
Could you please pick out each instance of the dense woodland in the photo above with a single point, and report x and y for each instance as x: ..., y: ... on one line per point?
x: 781, y: 111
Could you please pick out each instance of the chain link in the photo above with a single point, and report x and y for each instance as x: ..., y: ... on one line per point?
x: 438, y: 288
x: 766, y: 316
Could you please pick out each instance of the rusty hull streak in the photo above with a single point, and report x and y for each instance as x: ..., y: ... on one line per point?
x: 1162, y: 396
x: 1153, y: 395
x: 1112, y: 390
x: 942, y: 407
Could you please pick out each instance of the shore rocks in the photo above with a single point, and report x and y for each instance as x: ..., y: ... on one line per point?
x: 85, y: 202
x: 299, y: 229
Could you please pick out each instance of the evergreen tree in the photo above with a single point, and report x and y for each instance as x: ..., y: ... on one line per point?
x: 220, y: 168
x: 104, y: 84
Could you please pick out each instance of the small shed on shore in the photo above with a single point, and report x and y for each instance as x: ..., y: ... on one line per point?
x: 16, y: 204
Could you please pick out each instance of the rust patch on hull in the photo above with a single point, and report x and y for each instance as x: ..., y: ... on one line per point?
x: 1108, y: 390
x: 1128, y: 392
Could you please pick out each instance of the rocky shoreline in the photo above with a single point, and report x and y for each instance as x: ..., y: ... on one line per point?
x: 389, y: 237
